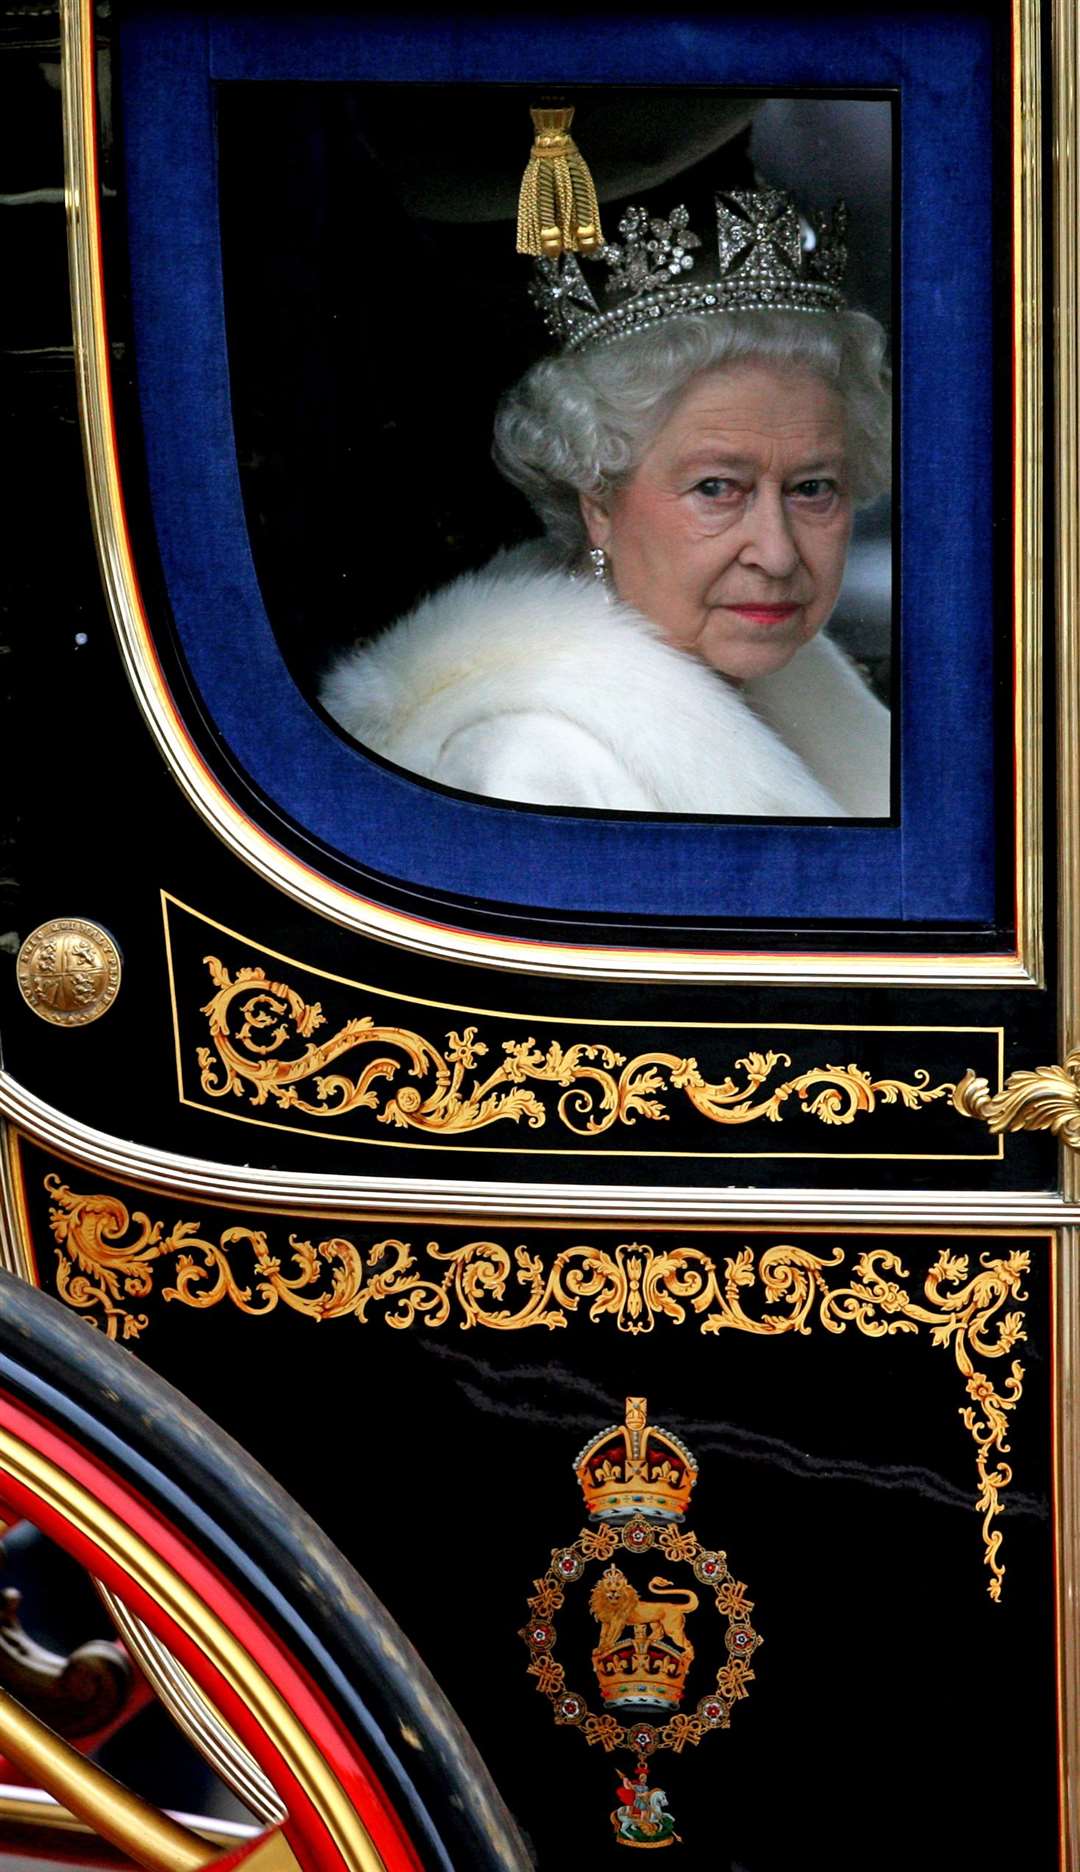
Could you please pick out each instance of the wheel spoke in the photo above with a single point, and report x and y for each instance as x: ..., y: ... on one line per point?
x: 271, y: 1853
x: 148, y: 1837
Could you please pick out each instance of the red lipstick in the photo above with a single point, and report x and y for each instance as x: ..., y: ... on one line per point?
x: 765, y: 613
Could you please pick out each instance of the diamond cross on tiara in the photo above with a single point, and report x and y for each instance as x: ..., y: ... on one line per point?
x: 562, y: 294
x: 758, y: 228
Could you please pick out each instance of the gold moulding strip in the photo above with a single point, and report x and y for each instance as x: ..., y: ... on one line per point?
x: 15, y: 1254
x: 634, y: 1285
x: 1064, y: 86
x: 254, y: 1021
x: 33, y: 1121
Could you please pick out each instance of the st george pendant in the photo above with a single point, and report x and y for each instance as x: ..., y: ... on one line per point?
x: 641, y: 1818
x: 637, y: 1479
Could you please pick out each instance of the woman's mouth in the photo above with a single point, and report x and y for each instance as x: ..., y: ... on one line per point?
x: 765, y: 613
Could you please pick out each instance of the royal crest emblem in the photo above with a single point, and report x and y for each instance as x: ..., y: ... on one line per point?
x: 636, y: 1479
x: 642, y: 1654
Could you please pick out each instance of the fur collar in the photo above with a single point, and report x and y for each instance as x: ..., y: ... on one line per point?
x: 522, y: 661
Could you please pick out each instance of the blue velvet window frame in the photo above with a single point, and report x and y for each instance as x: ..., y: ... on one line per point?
x: 936, y: 863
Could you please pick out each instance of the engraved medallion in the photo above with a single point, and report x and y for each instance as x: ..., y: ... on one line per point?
x: 69, y: 971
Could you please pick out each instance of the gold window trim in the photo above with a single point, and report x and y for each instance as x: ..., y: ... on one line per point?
x: 278, y: 866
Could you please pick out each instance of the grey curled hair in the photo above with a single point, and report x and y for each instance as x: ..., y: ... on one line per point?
x: 581, y: 423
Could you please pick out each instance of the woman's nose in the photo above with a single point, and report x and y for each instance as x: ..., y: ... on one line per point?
x: 769, y: 542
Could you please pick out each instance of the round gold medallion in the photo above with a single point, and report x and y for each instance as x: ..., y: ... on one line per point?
x: 69, y: 971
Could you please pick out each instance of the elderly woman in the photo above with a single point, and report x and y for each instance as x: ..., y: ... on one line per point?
x: 695, y: 455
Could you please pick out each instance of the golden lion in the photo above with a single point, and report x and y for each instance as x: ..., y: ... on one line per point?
x: 616, y: 1605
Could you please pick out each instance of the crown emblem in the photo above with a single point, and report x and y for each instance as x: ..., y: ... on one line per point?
x: 766, y: 259
x: 635, y: 1469
x: 636, y: 1479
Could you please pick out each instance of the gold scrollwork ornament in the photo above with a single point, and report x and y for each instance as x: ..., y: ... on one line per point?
x: 262, y: 1048
x: 107, y: 1258
x: 636, y: 1479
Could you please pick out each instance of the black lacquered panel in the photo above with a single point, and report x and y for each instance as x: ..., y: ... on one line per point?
x: 425, y: 1388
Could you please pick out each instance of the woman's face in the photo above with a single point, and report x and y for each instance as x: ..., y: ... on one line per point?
x: 731, y: 534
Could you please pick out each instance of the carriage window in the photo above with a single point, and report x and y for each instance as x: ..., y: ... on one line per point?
x: 641, y: 662
x: 685, y: 518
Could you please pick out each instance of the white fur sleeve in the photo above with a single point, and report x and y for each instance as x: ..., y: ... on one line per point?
x: 540, y: 759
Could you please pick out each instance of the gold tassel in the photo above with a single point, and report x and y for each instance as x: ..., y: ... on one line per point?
x: 557, y: 211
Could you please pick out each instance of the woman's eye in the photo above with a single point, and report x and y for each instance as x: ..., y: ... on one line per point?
x: 715, y: 487
x: 817, y: 488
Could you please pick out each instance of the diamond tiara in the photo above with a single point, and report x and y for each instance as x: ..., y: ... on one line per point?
x: 767, y: 260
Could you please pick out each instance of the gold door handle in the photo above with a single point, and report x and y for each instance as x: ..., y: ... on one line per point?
x: 1046, y: 1098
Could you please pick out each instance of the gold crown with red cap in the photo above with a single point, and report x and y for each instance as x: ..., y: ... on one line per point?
x: 636, y: 1468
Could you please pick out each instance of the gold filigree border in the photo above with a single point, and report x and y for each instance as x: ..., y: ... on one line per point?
x: 106, y: 1259
x: 254, y: 1021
